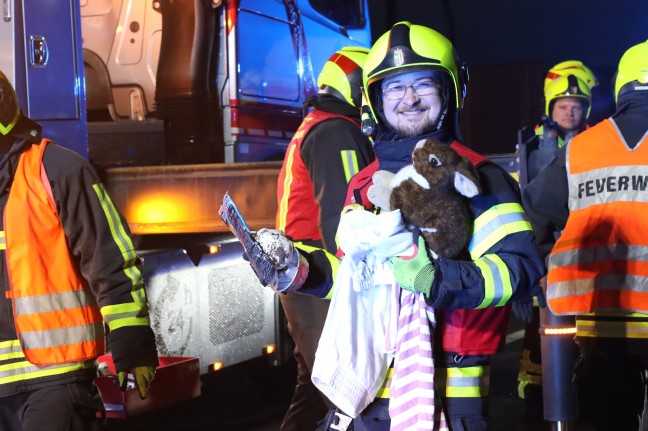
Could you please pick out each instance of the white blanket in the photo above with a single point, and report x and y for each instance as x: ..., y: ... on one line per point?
x: 351, y: 360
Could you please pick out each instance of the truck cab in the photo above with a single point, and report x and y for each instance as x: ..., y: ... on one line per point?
x: 228, y: 79
x: 176, y: 103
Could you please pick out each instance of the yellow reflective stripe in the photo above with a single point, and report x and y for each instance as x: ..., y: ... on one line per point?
x: 12, y: 355
x: 619, y: 314
x: 9, y: 344
x: 497, y: 281
x: 350, y: 163
x: 128, y: 314
x: 111, y: 311
x: 495, y: 224
x: 288, y: 179
x: 3, y: 241
x: 603, y: 328
x: 129, y: 321
x: 10, y: 350
x: 333, y: 261
x: 6, y: 129
x: 121, y: 238
x: 24, y: 370
x: 384, y: 391
x: 299, y: 133
x: 466, y: 382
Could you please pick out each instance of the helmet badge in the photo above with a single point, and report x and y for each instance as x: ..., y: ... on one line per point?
x: 399, y: 58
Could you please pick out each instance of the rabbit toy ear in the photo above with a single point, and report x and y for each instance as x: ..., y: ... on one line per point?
x: 465, y: 185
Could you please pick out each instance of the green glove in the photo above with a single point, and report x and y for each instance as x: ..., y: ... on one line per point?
x: 415, y: 273
x: 143, y: 377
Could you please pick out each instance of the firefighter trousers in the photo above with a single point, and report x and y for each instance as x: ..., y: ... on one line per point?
x: 63, y: 407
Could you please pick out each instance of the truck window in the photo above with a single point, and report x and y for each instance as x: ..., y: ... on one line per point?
x: 346, y: 13
x: 267, y: 57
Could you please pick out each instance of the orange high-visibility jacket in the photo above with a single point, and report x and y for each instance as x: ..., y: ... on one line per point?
x: 55, y: 313
x: 600, y: 261
x: 298, y: 211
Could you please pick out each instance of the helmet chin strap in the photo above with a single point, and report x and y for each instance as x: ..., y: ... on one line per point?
x: 446, y: 106
x: 442, y: 117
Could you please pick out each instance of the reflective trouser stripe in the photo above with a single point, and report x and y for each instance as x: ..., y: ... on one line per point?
x: 466, y: 382
x: 384, y: 391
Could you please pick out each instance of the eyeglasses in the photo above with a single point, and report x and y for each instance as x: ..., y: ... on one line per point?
x: 423, y: 88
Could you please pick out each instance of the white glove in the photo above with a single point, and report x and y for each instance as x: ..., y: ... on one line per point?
x: 292, y: 267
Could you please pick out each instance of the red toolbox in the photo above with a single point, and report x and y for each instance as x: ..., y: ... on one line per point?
x: 176, y: 379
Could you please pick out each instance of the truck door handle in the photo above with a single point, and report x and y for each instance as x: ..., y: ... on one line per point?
x: 38, y: 51
x: 6, y: 10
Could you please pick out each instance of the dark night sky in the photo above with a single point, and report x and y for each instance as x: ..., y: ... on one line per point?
x: 501, y: 31
x: 502, y: 38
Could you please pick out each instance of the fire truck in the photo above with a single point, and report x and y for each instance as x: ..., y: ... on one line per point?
x: 176, y: 102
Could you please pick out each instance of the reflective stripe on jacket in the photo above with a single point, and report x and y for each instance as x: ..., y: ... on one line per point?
x: 57, y: 318
x: 298, y: 212
x: 600, y: 261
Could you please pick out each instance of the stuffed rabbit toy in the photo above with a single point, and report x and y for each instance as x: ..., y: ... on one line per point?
x: 432, y: 195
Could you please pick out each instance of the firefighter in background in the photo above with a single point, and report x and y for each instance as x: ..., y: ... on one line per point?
x: 568, y: 102
x: 597, y: 266
x: 326, y: 151
x: 68, y: 267
x: 416, y: 85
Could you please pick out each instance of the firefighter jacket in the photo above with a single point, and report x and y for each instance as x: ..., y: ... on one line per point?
x: 325, y: 152
x: 598, y: 263
x: 69, y: 266
x: 501, y: 263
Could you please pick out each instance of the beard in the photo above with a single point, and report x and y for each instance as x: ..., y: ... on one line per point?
x: 415, y: 129
x: 410, y: 129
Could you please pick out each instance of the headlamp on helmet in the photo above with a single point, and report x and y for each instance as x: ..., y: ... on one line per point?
x: 567, y: 86
x: 632, y: 74
x: 342, y: 74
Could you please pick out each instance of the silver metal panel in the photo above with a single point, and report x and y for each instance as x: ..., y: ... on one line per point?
x: 217, y: 311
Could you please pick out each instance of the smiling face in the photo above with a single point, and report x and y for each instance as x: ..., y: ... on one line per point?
x: 413, y: 114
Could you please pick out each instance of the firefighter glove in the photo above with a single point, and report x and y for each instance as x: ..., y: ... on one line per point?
x: 292, y: 267
x: 415, y: 272
x: 143, y: 376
